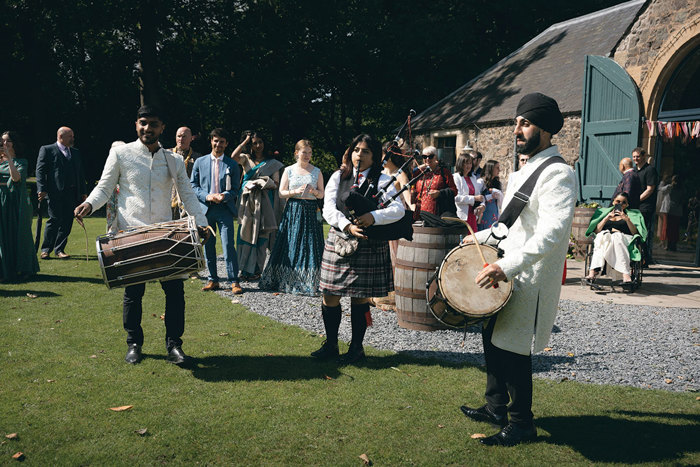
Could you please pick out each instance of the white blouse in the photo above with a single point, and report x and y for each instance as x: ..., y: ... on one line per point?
x: 337, y: 219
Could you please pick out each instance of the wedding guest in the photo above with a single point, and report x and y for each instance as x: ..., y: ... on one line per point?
x: 260, y: 209
x: 17, y: 253
x: 295, y: 261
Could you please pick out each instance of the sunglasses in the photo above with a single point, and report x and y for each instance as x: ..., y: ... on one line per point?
x: 523, y: 160
x: 430, y: 156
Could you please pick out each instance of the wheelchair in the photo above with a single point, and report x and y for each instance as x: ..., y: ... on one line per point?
x: 636, y: 270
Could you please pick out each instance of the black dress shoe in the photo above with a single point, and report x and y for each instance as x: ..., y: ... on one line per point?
x: 176, y: 355
x: 354, y: 355
x: 133, y: 355
x: 511, y: 435
x: 483, y: 414
x: 326, y: 352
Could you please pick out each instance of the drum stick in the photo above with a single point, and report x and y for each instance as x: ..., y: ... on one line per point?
x: 80, y: 221
x: 478, y: 247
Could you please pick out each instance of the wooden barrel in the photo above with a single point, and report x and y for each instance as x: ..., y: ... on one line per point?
x: 582, y: 218
x: 416, y: 262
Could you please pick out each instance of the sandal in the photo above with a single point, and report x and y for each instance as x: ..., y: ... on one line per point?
x: 588, y: 281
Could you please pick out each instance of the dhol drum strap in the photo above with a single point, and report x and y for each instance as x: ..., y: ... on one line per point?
x: 170, y: 163
x: 522, y: 196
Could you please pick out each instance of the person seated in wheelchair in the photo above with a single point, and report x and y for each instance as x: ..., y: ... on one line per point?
x: 616, y: 229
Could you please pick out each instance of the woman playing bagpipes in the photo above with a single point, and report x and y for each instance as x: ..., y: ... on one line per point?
x: 354, y: 264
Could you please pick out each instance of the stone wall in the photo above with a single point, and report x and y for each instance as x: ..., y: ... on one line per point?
x: 652, y: 34
x: 495, y: 141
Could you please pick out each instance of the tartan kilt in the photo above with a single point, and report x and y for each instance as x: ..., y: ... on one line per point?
x: 367, y: 273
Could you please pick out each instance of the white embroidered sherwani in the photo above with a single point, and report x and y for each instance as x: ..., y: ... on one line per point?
x: 145, y: 186
x: 534, y: 255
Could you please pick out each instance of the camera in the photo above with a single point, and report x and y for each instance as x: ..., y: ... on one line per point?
x: 617, y: 208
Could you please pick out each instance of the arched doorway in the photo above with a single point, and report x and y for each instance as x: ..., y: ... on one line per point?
x: 678, y: 164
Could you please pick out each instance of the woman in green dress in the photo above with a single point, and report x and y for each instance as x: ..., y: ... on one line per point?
x: 17, y: 253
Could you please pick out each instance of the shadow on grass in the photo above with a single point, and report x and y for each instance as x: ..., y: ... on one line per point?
x: 289, y: 367
x: 626, y: 440
x: 60, y: 278
x: 25, y: 292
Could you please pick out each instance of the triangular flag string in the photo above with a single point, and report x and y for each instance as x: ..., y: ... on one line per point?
x: 685, y: 130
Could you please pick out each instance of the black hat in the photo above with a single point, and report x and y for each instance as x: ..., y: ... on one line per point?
x: 542, y: 111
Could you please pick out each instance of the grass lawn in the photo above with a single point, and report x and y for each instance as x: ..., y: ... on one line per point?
x: 252, y: 395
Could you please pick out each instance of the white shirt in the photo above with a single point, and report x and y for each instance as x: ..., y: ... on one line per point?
x: 64, y: 149
x: 145, y: 186
x: 337, y: 219
x: 214, y: 162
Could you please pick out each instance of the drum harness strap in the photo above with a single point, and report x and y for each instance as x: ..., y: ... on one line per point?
x: 522, y: 196
x: 171, y: 169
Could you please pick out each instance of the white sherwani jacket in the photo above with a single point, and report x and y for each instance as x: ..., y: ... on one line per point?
x: 534, y: 255
x: 145, y: 186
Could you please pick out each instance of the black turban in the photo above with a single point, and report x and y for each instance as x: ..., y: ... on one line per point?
x: 542, y: 111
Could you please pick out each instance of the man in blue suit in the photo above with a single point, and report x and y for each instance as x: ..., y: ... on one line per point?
x: 60, y: 180
x: 216, y: 180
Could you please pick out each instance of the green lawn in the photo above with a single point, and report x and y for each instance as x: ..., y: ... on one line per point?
x: 253, y: 396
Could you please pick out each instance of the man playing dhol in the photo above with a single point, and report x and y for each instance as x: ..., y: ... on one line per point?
x: 216, y: 180
x: 534, y: 253
x: 145, y: 183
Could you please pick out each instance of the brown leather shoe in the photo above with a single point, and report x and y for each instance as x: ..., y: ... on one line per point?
x: 236, y: 289
x: 211, y: 285
x: 63, y: 255
x: 44, y: 255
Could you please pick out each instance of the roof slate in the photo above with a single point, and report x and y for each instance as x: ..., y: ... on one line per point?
x: 551, y: 63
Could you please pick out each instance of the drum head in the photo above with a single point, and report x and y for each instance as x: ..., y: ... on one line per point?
x: 456, y: 282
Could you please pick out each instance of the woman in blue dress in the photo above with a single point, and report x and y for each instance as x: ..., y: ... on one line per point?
x: 259, y: 209
x: 295, y: 262
x: 492, y: 194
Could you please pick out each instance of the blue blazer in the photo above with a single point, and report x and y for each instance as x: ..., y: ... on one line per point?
x: 52, y: 170
x: 202, y: 183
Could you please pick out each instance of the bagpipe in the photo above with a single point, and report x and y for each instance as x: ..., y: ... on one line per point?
x: 361, y: 201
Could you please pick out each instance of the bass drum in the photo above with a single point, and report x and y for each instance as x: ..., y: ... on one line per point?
x: 452, y: 295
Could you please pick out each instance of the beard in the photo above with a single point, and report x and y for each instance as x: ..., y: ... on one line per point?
x: 148, y: 138
x: 527, y: 146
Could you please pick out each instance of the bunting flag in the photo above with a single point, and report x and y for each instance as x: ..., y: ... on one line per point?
x: 687, y: 131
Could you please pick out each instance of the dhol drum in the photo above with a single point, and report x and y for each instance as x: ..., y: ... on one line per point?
x: 163, y: 251
x: 452, y: 295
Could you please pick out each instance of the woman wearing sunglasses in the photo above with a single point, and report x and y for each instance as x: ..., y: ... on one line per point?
x: 435, y: 191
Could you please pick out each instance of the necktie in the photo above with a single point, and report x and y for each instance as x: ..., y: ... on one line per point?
x: 216, y: 176
x: 68, y: 153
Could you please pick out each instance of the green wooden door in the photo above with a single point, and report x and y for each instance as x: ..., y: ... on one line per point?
x: 610, y: 125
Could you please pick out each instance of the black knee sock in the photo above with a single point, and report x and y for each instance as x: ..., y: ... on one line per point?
x: 331, y: 321
x: 359, y: 323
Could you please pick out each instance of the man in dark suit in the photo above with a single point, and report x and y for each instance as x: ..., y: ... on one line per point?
x: 59, y: 179
x: 215, y: 180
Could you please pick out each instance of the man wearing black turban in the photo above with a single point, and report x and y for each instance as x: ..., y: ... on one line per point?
x: 533, y: 259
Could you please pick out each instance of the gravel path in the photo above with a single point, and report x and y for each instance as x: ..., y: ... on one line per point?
x: 641, y: 346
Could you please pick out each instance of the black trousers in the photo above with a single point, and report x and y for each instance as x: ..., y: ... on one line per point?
x: 60, y: 222
x: 174, y: 312
x: 508, y: 379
